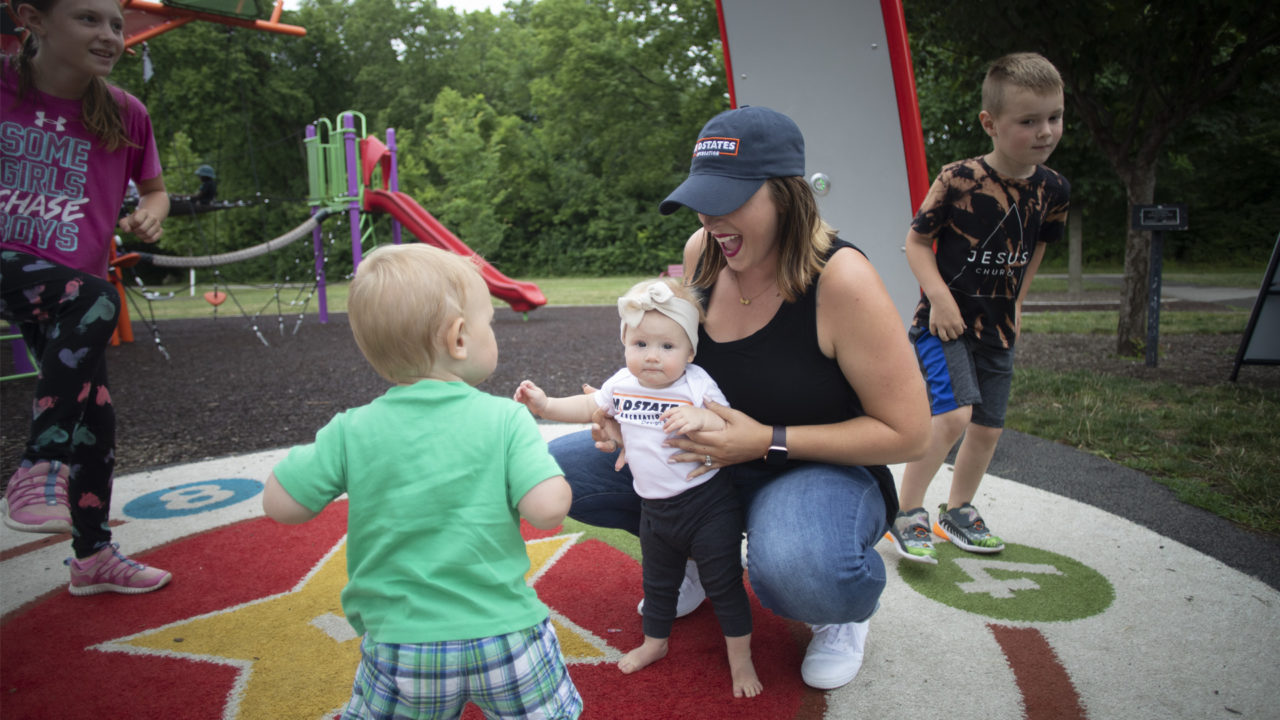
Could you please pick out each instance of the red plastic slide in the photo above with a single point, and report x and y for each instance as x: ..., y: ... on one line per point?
x: 521, y: 296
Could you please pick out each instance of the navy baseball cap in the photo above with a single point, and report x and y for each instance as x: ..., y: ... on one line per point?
x: 736, y: 152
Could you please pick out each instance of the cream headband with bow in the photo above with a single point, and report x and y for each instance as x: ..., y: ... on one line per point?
x: 658, y: 296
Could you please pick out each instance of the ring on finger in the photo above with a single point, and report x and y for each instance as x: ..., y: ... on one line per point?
x: 707, y: 462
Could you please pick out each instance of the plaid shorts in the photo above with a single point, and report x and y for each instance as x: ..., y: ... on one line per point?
x: 517, y: 675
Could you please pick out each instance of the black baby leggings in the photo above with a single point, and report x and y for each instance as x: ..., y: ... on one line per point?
x: 705, y: 523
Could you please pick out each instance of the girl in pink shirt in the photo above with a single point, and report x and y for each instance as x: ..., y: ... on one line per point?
x: 69, y: 145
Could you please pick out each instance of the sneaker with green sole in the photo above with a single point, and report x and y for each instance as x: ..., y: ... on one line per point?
x: 964, y: 528
x: 911, y: 538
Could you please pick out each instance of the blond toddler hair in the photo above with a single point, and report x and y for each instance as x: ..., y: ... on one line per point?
x: 401, y: 301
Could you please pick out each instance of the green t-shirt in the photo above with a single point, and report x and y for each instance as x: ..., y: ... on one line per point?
x: 432, y: 473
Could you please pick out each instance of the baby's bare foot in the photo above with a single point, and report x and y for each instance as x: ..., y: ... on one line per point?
x: 651, y: 651
x: 745, y: 681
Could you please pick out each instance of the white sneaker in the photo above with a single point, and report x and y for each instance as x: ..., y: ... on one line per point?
x: 691, y: 592
x: 834, y: 655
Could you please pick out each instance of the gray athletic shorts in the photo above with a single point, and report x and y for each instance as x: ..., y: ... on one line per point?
x: 965, y: 372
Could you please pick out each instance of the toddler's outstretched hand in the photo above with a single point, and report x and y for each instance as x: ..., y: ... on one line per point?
x: 531, y: 396
x: 606, y: 431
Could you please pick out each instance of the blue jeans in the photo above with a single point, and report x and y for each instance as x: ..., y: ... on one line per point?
x: 811, y: 528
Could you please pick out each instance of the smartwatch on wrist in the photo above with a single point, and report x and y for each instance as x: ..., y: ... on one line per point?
x: 777, y: 454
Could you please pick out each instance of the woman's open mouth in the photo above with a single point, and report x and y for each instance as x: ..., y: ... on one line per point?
x: 730, y: 245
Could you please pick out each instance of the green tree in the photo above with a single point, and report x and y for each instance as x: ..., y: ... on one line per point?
x: 465, y: 143
x: 226, y: 97
x: 1222, y: 164
x: 619, y: 91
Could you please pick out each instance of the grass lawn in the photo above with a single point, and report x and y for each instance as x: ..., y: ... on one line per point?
x: 179, y: 301
x: 1215, y: 446
x: 1104, y: 322
x: 1053, y: 279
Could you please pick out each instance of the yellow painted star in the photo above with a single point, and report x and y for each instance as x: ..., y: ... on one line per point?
x: 289, y: 647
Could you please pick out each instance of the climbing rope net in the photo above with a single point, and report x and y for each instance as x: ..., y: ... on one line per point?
x: 216, y: 297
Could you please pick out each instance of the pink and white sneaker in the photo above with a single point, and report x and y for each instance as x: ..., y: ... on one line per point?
x: 108, y: 570
x: 36, y: 498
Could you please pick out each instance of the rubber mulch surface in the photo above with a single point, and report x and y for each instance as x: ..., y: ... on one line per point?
x: 222, y: 391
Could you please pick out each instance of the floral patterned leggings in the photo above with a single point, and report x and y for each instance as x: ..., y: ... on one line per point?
x: 67, y: 318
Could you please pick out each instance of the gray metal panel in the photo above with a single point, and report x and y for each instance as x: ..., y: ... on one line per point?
x: 825, y: 64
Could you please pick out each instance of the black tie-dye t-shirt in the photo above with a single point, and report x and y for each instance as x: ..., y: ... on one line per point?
x: 985, y: 227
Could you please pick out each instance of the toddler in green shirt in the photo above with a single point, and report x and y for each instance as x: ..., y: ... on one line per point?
x: 437, y: 476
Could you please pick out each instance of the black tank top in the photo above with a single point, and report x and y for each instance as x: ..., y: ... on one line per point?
x: 779, y: 376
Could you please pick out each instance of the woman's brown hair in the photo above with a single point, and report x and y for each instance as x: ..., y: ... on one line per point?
x: 100, y: 112
x: 804, y: 240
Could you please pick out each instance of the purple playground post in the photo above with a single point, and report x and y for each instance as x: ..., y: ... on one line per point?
x: 21, y: 360
x: 393, y: 182
x: 317, y: 241
x: 353, y: 186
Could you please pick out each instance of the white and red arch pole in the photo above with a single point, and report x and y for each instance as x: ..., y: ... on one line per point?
x: 842, y: 70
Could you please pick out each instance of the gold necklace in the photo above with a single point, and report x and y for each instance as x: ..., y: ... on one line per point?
x: 747, y: 300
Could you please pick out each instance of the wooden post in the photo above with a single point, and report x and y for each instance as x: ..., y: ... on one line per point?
x: 1075, y: 251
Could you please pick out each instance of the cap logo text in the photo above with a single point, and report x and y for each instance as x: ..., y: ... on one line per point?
x: 716, y: 146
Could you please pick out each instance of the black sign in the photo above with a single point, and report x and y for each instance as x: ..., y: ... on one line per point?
x: 1160, y: 217
x: 1260, y: 344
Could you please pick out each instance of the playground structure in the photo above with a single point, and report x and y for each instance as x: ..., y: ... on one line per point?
x: 345, y: 176
x: 359, y: 178
x: 144, y: 19
x: 340, y: 171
